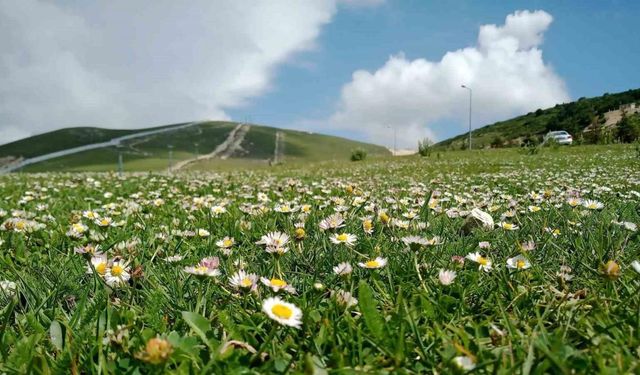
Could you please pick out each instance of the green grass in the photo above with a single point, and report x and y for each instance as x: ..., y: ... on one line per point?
x: 63, y: 319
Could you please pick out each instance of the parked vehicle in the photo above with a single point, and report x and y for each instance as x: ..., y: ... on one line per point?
x: 561, y: 137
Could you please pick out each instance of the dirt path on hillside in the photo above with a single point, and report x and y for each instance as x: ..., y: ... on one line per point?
x: 224, y: 149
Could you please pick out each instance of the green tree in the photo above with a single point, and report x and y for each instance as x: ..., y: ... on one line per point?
x: 629, y: 128
x: 425, y: 146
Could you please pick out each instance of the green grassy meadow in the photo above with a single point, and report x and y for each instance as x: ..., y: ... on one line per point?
x: 328, y: 266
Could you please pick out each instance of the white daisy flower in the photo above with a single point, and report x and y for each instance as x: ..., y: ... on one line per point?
x: 446, y: 277
x: 226, y: 242
x: 203, y: 232
x: 507, y: 226
x: 334, y: 221
x: 243, y: 280
x: 485, y: 263
x: 374, y: 264
x: 117, y: 274
x: 278, y: 284
x: 343, y: 269
x: 518, y: 262
x: 99, y: 263
x: 282, y: 312
x: 343, y: 238
x: 274, y: 239
x: 592, y: 204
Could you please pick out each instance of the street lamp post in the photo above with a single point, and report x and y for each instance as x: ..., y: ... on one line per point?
x: 470, y: 95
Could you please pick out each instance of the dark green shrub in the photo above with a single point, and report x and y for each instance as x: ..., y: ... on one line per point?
x: 358, y: 155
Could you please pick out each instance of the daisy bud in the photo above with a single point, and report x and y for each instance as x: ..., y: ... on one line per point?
x: 156, y: 351
x: 611, y: 269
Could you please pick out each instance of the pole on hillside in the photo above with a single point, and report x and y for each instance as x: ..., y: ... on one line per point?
x: 170, y: 157
x: 393, y: 127
x: 470, y: 96
x: 120, y: 166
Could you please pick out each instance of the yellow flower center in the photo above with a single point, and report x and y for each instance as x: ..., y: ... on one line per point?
x: 372, y: 264
x: 104, y: 222
x: 367, y: 225
x: 508, y: 226
x: 520, y: 264
x: 199, y: 269
x: 78, y: 228
x: 278, y: 282
x: 342, y: 237
x: 282, y: 311
x: 20, y: 224
x: 227, y: 243
x: 116, y: 270
x: 384, y: 217
x: 483, y: 261
x: 101, y: 268
x: 246, y: 282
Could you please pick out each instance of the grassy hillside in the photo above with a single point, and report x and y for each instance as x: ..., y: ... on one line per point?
x: 152, y: 152
x: 63, y: 139
x: 572, y: 117
x: 259, y: 143
x: 146, y: 153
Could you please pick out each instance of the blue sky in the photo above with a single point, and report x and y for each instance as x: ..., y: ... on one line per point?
x: 347, y: 67
x: 594, y: 46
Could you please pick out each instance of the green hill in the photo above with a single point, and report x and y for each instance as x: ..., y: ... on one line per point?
x: 151, y: 153
x: 573, y: 117
x: 63, y: 139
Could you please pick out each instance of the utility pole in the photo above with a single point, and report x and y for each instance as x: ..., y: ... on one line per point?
x: 470, y: 95
x: 394, y: 137
x: 120, y: 166
x: 170, y: 157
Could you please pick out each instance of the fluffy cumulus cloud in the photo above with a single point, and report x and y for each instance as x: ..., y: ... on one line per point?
x: 134, y: 64
x: 505, y: 70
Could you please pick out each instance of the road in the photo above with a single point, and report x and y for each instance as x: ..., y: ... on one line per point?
x: 224, y: 149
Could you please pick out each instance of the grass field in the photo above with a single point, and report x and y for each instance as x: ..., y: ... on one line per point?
x: 381, y: 266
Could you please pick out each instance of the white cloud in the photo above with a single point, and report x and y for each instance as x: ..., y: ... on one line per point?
x: 505, y: 69
x: 134, y: 64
